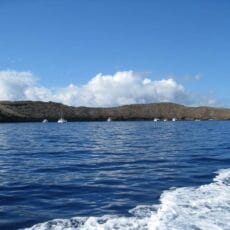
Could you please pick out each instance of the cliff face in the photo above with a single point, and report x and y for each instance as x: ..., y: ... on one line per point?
x: 25, y: 111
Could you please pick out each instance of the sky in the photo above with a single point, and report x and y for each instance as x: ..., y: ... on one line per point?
x: 114, y: 52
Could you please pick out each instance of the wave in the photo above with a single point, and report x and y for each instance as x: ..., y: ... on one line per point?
x: 204, y: 207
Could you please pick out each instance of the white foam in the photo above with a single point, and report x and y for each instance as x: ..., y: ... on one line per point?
x: 204, y: 207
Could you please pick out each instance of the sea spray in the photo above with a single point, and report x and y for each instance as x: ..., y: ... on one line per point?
x: 203, y: 207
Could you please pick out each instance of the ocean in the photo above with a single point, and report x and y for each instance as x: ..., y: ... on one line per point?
x: 115, y: 175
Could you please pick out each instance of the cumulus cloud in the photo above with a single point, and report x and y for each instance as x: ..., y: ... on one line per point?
x: 125, y: 87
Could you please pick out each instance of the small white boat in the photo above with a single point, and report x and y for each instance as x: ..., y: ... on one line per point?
x: 45, y: 121
x: 174, y: 119
x: 197, y: 119
x: 156, y: 119
x: 61, y: 120
x: 109, y: 119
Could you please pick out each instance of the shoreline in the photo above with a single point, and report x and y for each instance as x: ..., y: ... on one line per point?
x: 36, y: 111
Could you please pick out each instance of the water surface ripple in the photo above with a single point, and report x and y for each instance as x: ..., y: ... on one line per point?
x: 51, y: 170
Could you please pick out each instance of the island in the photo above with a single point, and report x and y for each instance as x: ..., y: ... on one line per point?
x: 37, y: 111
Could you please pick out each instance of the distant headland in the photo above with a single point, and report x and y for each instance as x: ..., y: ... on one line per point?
x: 36, y: 111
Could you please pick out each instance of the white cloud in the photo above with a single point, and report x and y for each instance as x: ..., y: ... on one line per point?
x: 13, y: 85
x: 196, y: 77
x: 125, y: 87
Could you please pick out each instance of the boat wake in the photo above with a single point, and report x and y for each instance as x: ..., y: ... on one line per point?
x: 204, y: 207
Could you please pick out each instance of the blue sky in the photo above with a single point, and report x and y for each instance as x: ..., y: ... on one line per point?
x: 68, y: 41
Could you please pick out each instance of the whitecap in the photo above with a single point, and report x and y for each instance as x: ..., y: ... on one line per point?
x: 204, y: 207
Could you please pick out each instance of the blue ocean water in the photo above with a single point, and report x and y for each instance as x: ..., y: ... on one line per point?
x: 115, y: 175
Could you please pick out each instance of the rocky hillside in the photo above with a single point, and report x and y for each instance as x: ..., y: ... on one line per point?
x: 26, y: 111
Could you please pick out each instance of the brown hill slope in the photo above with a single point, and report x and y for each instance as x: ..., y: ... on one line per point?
x: 25, y: 111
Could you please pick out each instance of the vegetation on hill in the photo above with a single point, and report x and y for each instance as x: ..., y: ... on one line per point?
x: 27, y: 111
